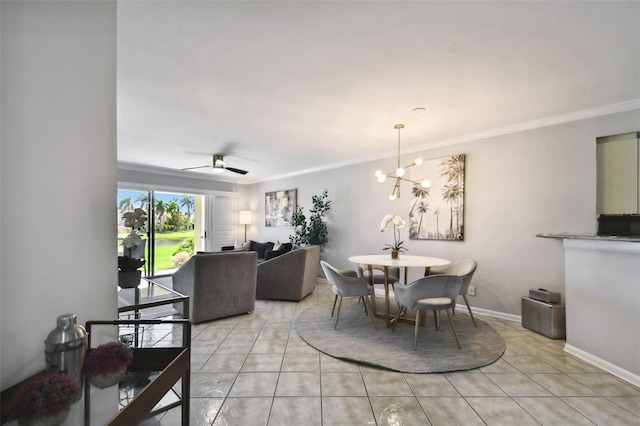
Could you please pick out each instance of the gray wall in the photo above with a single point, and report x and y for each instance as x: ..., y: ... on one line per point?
x: 517, y: 186
x: 58, y: 174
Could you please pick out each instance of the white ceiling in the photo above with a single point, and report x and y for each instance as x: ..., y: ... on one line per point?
x: 282, y: 88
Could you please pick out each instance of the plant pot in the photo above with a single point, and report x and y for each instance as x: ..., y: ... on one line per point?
x: 394, y: 254
x: 106, y: 380
x: 129, y: 279
x: 50, y: 420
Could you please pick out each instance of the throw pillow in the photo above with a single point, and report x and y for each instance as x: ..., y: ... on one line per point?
x: 277, y: 246
x: 243, y: 246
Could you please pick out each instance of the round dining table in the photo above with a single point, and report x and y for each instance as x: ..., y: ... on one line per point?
x: 385, y: 261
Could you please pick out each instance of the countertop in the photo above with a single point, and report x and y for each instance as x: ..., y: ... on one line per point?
x: 590, y: 237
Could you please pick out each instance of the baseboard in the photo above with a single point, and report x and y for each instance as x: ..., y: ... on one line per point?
x: 621, y: 373
x: 489, y: 313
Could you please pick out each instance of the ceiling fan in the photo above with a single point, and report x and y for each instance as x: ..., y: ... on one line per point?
x: 219, y: 166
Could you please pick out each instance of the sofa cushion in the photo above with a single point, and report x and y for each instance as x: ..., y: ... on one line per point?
x: 261, y: 248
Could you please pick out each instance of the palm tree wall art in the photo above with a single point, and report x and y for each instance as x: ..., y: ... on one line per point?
x: 437, y: 212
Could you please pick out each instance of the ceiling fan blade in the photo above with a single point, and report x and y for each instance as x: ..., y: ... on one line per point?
x: 199, y: 167
x: 234, y: 170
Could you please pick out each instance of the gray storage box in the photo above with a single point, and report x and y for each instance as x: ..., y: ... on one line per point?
x: 544, y: 295
x: 545, y: 318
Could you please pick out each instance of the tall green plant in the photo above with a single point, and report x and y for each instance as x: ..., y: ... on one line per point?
x: 313, y: 232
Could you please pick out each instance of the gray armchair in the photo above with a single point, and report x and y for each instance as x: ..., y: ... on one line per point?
x: 464, y: 268
x: 346, y: 285
x: 433, y: 293
x: 290, y: 276
x: 218, y: 284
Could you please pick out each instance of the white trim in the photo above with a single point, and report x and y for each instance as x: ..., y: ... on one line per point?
x: 621, y: 373
x: 489, y: 313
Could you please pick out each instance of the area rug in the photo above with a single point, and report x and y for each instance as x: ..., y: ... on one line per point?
x: 357, y: 340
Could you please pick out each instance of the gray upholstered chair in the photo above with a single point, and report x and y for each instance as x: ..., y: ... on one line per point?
x: 290, y: 276
x: 434, y: 293
x: 344, y: 285
x: 464, y: 268
x: 218, y: 284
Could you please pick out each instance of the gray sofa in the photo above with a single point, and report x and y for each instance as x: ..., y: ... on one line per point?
x: 218, y: 284
x: 290, y: 276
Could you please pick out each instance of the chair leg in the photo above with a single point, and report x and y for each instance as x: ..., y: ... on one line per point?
x: 469, y: 308
x: 335, y: 327
x: 454, y: 328
x: 335, y: 299
x: 436, y: 318
x: 415, y: 330
x: 397, y: 319
x: 373, y: 317
x: 364, y: 303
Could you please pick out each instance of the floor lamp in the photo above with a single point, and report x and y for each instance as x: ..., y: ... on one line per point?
x: 245, y: 219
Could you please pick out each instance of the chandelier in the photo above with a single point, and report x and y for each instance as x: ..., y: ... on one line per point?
x: 399, y: 173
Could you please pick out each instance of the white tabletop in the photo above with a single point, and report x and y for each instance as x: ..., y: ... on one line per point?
x: 402, y: 261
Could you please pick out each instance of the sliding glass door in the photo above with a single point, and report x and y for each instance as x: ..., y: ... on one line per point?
x: 170, y: 233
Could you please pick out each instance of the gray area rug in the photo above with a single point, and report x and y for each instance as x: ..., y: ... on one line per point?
x: 357, y: 340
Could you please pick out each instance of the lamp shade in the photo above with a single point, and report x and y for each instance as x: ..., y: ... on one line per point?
x: 245, y: 217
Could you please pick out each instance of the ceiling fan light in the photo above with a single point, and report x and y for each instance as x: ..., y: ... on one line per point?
x: 218, y: 169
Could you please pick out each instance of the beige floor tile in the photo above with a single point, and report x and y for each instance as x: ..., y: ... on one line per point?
x: 606, y: 385
x: 197, y: 361
x: 386, y: 383
x: 552, y: 411
x: 449, y: 411
x: 469, y: 384
x: 204, y: 347
x: 518, y: 385
x: 244, y: 411
x: 568, y: 364
x: 223, y: 363
x: 562, y: 385
x: 298, y: 384
x: 265, y: 346
x: 331, y: 364
x: 501, y: 411
x: 262, y: 362
x: 430, y: 385
x: 211, y: 385
x: 347, y: 411
x: 629, y: 403
x: 301, y: 362
x: 296, y: 411
x: 602, y: 411
x: 529, y: 364
x: 234, y: 347
x: 342, y: 384
x: 500, y: 366
x: 398, y: 410
x: 254, y: 385
x: 202, y: 412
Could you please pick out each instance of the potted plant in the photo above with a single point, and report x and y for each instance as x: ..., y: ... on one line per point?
x: 107, y: 364
x: 128, y: 272
x: 398, y: 223
x: 315, y: 232
x: 46, y: 399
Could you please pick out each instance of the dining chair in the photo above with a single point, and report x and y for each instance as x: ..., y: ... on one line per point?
x: 431, y: 293
x: 344, y: 285
x: 464, y: 268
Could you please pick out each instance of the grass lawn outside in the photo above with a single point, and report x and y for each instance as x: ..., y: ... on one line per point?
x: 164, y: 253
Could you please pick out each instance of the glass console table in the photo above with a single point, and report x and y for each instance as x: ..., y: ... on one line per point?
x: 149, y: 388
x: 150, y: 294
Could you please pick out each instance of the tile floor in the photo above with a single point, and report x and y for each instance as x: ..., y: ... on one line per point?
x: 255, y: 370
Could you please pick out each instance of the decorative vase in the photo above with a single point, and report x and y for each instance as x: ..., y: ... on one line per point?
x: 50, y: 420
x: 109, y: 379
x: 394, y: 254
x: 129, y: 279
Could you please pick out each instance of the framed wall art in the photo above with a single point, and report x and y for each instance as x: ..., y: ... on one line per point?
x: 279, y: 207
x: 437, y: 212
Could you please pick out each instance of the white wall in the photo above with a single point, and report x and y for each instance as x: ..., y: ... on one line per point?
x: 517, y: 186
x: 58, y: 173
